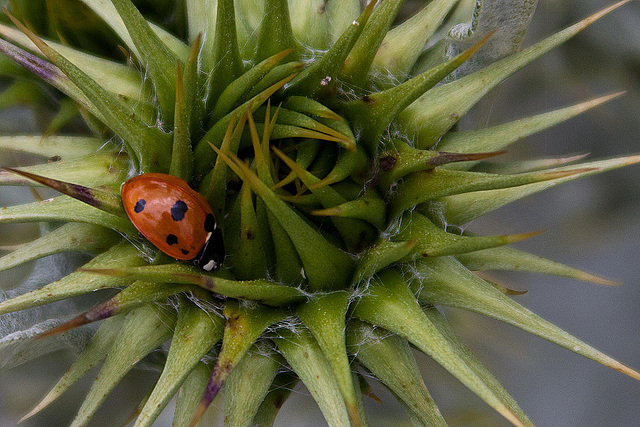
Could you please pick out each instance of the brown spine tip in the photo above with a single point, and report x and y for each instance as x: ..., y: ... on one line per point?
x: 198, y: 414
x: 214, y: 385
x: 565, y: 173
x: 101, y: 199
x: 73, y: 323
x: 513, y: 238
x: 100, y: 312
x: 371, y: 395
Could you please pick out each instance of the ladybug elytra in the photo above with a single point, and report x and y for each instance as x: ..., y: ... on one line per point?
x: 174, y: 218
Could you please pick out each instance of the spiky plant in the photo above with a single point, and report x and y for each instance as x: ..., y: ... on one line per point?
x: 326, y: 147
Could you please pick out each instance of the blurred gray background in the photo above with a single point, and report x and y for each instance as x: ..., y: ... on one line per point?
x: 593, y: 224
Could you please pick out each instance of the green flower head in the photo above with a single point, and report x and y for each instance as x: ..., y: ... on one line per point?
x: 314, y: 147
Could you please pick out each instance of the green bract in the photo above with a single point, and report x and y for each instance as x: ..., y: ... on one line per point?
x: 326, y: 148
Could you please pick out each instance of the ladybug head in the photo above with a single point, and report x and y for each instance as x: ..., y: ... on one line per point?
x: 212, y: 254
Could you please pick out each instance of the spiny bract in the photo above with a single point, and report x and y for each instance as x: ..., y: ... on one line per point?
x: 324, y: 143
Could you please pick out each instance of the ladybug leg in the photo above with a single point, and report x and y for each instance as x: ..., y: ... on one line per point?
x: 212, y: 255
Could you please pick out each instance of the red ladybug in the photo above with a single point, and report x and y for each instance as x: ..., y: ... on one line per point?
x: 174, y: 217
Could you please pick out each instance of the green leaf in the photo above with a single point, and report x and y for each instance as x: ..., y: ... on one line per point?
x: 94, y: 352
x: 373, y: 113
x: 264, y: 166
x: 294, y: 118
x: 133, y: 296
x: 390, y: 304
x: 340, y: 16
x: 354, y: 163
x: 307, y: 359
x: 358, y: 63
x: 380, y: 255
x: 77, y: 283
x: 194, y: 104
x: 107, y: 201
x: 331, y: 270
x: 250, y: 261
x: 69, y: 237
x: 115, y: 77
x: 22, y: 92
x: 201, y: 17
x: 433, y: 241
x: 261, y: 290
x: 389, y: 358
x: 447, y: 331
x: 197, y: 331
x: 507, y: 258
x: 249, y: 14
x: 181, y: 154
x: 438, y: 110
x: 241, y: 86
x: 402, y: 45
x: 275, y: 33
x: 282, y: 387
x: 145, y: 329
x: 190, y: 394
x: 159, y: 61
x: 64, y: 208
x: 225, y: 63
x: 400, y: 159
x: 108, y: 12
x: 355, y: 233
x: 214, y: 186
x: 523, y: 166
x: 500, y: 136
x: 249, y: 383
x: 202, y: 152
x: 244, y: 325
x: 444, y: 281
x: 278, y: 73
x: 289, y: 267
x: 311, y: 107
x: 325, y: 316
x: 309, y: 22
x: 370, y: 208
x: 462, y: 208
x: 420, y: 187
x: 68, y: 111
x: 282, y: 131
x: 48, y: 72
x: 322, y: 74
x: 148, y: 145
x: 266, y: 237
x: 104, y: 168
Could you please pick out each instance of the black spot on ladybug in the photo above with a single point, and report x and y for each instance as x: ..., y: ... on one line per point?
x: 172, y: 239
x: 184, y: 251
x: 178, y: 210
x: 140, y: 204
x: 210, y: 223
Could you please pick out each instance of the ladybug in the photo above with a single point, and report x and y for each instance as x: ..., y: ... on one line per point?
x: 174, y: 218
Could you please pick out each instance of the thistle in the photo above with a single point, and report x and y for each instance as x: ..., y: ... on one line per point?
x: 325, y: 143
